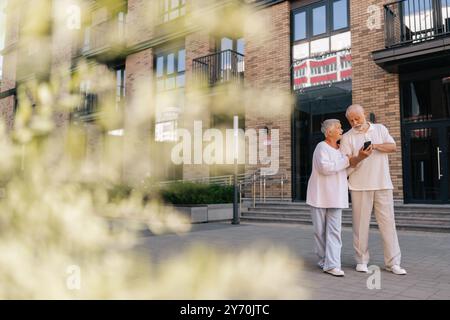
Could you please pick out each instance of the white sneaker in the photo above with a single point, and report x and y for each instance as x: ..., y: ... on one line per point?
x: 362, y: 267
x: 396, y: 269
x: 335, y: 272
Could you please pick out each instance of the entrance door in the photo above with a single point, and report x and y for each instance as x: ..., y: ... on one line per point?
x: 427, y: 159
x: 313, y: 106
x: 426, y: 135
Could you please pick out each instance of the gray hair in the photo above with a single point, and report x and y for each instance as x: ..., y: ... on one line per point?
x: 327, y: 124
x: 354, y: 107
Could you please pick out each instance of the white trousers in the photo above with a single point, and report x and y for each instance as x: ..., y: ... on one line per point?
x: 327, y: 235
x: 381, y: 201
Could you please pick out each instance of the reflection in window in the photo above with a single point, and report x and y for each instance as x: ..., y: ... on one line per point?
x: 425, y: 99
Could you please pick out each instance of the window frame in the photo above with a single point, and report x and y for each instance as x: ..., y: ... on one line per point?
x: 332, y: 16
x: 162, y: 11
x: 165, y: 53
x: 309, y: 21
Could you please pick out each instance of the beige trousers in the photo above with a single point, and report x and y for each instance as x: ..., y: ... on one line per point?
x: 381, y: 201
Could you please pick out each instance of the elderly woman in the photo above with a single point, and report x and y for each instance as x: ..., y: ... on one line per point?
x: 327, y: 194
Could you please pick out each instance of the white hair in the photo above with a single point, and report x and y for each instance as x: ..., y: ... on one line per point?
x: 327, y: 124
x: 354, y: 107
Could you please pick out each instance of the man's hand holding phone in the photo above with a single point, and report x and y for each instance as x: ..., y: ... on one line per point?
x: 366, y: 150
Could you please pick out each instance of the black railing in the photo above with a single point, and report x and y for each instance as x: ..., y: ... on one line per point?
x: 220, y: 67
x: 413, y: 21
x: 87, y: 108
x: 105, y: 35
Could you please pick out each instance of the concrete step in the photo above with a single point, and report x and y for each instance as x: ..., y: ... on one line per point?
x: 412, y: 220
x: 347, y: 223
x: 398, y: 212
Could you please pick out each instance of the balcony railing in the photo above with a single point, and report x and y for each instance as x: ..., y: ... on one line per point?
x: 220, y: 67
x: 104, y: 36
x: 88, y: 107
x: 414, y: 21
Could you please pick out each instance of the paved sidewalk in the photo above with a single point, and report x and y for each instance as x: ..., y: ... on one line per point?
x: 426, y: 256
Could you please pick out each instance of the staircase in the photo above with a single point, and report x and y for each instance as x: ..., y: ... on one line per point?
x: 433, y: 218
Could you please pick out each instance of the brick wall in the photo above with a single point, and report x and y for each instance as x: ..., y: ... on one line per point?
x: 141, y: 17
x: 375, y: 89
x: 9, y: 62
x: 197, y: 107
x: 138, y: 116
x: 267, y: 74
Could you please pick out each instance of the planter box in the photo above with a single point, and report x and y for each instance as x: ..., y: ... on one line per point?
x: 207, y: 212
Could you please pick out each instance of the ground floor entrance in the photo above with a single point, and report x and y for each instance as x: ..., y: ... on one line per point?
x: 312, y: 107
x: 426, y: 137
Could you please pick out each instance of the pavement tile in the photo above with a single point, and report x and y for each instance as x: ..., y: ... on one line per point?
x: 425, y: 255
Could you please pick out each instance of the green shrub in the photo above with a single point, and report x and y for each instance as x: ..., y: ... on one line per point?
x: 196, y: 193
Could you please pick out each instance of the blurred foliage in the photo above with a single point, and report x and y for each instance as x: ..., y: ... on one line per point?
x: 64, y: 184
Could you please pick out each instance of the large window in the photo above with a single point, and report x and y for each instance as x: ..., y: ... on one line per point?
x: 170, y: 81
x: 321, y: 44
x: 320, y: 19
x: 340, y: 14
x: 120, y: 87
x: 172, y: 9
x: 170, y: 68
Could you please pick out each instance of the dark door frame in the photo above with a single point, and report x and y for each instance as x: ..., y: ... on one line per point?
x: 441, y: 126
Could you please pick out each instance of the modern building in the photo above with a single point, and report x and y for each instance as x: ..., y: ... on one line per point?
x: 391, y: 57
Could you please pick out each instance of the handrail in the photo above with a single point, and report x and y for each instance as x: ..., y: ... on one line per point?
x: 244, y: 179
x: 219, y: 67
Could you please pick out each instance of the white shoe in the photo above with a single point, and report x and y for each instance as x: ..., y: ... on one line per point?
x: 362, y: 267
x: 396, y: 269
x: 335, y: 272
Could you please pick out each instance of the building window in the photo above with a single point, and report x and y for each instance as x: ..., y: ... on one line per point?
x: 170, y: 69
x: 340, y: 14
x: 172, y: 9
x: 319, y: 20
x: 120, y: 87
x: 300, y: 26
x: 170, y: 83
x: 325, y: 19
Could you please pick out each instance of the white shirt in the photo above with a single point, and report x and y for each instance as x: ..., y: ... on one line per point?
x: 373, y: 172
x: 327, y: 186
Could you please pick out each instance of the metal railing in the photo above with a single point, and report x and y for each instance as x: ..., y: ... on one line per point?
x: 255, y: 183
x: 226, y: 180
x: 87, y: 108
x: 107, y: 34
x: 413, y: 21
x: 259, y: 181
x: 220, y: 67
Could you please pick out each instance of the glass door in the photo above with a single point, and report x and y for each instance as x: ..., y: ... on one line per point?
x: 427, y: 167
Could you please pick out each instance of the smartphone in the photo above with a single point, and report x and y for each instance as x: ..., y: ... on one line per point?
x: 367, y: 144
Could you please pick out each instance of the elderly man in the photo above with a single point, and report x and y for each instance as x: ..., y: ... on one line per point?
x: 371, y: 188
